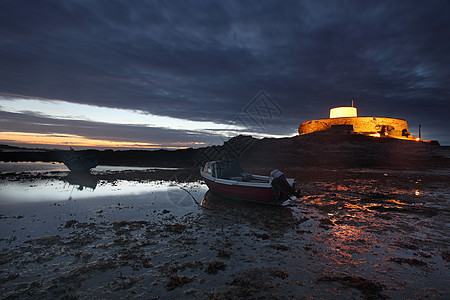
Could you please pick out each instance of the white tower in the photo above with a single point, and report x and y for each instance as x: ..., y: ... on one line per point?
x: 343, y: 112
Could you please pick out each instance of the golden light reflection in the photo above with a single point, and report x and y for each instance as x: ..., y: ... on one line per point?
x: 401, y: 192
x: 342, y: 188
x: 396, y: 202
x: 76, y: 141
x: 347, y: 241
x: 347, y: 232
x: 351, y: 206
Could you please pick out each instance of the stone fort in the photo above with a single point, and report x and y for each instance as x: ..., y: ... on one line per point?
x: 345, y: 120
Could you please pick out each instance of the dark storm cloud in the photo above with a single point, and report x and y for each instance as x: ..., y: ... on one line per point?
x: 206, y: 60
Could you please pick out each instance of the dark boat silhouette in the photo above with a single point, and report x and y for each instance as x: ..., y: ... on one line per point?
x: 80, y: 162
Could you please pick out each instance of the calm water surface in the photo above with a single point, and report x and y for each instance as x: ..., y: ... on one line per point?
x: 6, y: 167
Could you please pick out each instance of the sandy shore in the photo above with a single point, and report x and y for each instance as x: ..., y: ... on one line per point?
x: 354, y: 233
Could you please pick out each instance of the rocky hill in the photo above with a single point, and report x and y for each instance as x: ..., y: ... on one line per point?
x: 334, y: 151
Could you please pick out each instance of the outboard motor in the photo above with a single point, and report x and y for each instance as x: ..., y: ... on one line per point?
x: 281, y: 188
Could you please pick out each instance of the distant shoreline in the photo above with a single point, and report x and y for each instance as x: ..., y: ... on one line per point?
x: 313, y: 150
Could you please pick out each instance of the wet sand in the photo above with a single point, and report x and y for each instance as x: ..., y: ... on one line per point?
x: 354, y: 233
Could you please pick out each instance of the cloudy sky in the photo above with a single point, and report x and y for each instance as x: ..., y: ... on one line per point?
x: 169, y: 74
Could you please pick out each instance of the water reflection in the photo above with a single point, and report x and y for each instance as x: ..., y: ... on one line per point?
x: 69, y: 187
x: 358, y: 216
x: 32, y: 167
x: 275, y: 219
x: 82, y: 181
x: 42, y: 167
x: 215, y: 201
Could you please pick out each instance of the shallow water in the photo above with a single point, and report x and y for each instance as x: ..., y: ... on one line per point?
x: 353, y: 234
x: 50, y: 190
x: 39, y: 167
x: 6, y: 167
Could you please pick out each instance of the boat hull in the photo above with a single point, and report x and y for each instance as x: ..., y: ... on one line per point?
x: 249, y: 193
x: 81, y: 164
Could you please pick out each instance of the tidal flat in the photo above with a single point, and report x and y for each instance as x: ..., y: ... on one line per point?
x: 158, y: 233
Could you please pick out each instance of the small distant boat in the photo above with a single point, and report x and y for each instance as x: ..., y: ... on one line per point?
x: 228, y: 179
x: 80, y: 162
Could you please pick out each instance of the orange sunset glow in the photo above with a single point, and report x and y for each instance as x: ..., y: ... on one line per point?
x: 76, y: 141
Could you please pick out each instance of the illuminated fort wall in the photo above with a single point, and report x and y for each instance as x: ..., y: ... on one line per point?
x: 346, y: 120
x: 363, y: 125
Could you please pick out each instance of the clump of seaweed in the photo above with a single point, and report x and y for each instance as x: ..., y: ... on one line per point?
x: 9, y: 277
x: 250, y: 283
x: 409, y: 261
x: 325, y: 223
x: 263, y: 236
x: 445, y: 256
x: 279, y: 247
x: 224, y: 253
x: 175, y: 228
x: 177, y: 281
x: 214, y: 267
x: 368, y: 288
x: 278, y: 273
x: 70, y: 223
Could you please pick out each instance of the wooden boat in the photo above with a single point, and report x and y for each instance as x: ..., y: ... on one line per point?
x: 77, y: 162
x: 228, y: 179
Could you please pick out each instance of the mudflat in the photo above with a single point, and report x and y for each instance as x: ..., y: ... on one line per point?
x: 159, y: 233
